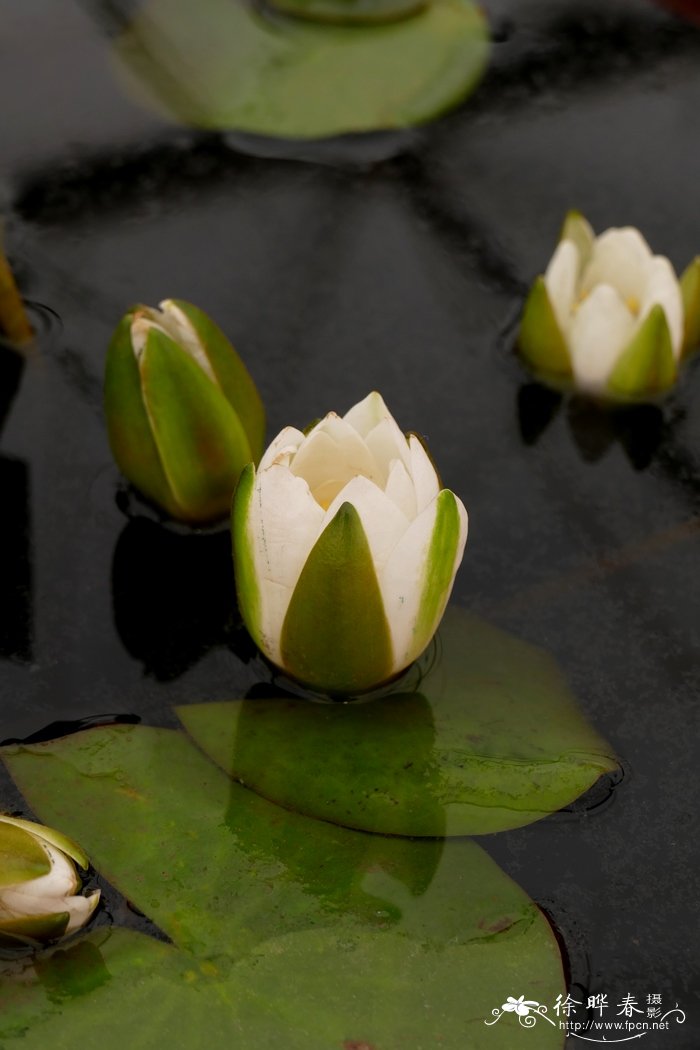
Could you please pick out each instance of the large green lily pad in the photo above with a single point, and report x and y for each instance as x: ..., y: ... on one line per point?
x: 287, y: 931
x: 493, y: 739
x: 222, y: 64
x: 302, y: 992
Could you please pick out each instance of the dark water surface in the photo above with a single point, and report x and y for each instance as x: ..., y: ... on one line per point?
x: 396, y: 262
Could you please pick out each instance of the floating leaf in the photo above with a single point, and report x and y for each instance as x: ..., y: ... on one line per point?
x: 304, y: 991
x: 493, y: 740
x: 296, y: 933
x: 224, y: 65
x: 350, y: 12
x: 221, y: 869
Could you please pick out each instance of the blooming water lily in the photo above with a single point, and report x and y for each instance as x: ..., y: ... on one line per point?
x: 346, y: 548
x: 39, y: 885
x: 609, y: 316
x: 183, y: 414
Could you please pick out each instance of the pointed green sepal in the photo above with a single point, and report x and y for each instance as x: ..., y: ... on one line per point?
x: 249, y: 600
x: 53, y: 837
x: 577, y: 228
x: 128, y: 427
x: 540, y: 340
x: 335, y: 636
x: 22, y: 857
x: 32, y: 931
x: 690, y: 290
x: 231, y: 373
x: 200, y: 439
x: 647, y: 367
x: 439, y: 569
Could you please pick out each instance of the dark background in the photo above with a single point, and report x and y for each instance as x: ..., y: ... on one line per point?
x: 397, y: 262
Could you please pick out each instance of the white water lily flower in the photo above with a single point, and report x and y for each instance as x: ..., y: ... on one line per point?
x: 39, y: 885
x: 346, y: 548
x: 609, y: 315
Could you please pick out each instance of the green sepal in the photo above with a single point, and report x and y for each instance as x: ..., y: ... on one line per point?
x: 249, y: 599
x: 576, y: 228
x: 202, y: 444
x: 540, y: 340
x: 53, y: 837
x: 439, y: 569
x: 128, y: 426
x: 32, y: 931
x: 22, y: 858
x: 335, y: 636
x: 232, y: 375
x: 690, y: 290
x: 647, y: 367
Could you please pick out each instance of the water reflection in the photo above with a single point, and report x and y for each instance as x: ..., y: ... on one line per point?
x: 173, y: 597
x: 372, y: 877
x: 594, y: 428
x: 11, y: 369
x: 72, y: 972
x: 16, y: 590
x: 491, y: 739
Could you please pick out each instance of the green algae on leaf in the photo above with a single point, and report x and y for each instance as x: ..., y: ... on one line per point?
x: 223, y: 65
x: 303, y: 991
x: 492, y: 739
x: 287, y: 931
x: 221, y: 870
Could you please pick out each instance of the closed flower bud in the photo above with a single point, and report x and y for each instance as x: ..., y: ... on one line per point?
x: 183, y: 414
x: 608, y: 317
x: 346, y: 548
x: 40, y: 899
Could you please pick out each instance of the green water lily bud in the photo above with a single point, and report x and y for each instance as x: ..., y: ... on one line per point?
x: 608, y: 316
x: 346, y: 548
x: 183, y: 414
x: 40, y: 898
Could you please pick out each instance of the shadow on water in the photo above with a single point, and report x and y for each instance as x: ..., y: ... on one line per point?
x: 173, y: 597
x: 639, y: 429
x: 16, y: 591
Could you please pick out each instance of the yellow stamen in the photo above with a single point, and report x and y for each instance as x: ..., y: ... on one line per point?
x: 633, y: 304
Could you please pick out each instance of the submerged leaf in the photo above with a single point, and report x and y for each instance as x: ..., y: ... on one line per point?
x: 493, y: 740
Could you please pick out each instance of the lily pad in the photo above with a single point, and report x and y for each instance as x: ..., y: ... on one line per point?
x: 288, y: 931
x: 302, y: 991
x: 221, y: 869
x: 350, y: 12
x: 223, y: 64
x: 493, y: 739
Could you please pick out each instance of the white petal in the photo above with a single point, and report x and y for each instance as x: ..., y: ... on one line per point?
x: 17, y: 904
x: 284, y: 522
x: 383, y: 436
x: 662, y: 287
x: 387, y: 443
x: 282, y: 447
x: 403, y: 579
x: 61, y: 880
x: 80, y: 909
x: 601, y: 329
x: 401, y: 490
x: 383, y: 522
x: 365, y: 415
x: 330, y: 457
x: 621, y: 258
x: 561, y: 280
x: 425, y: 479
